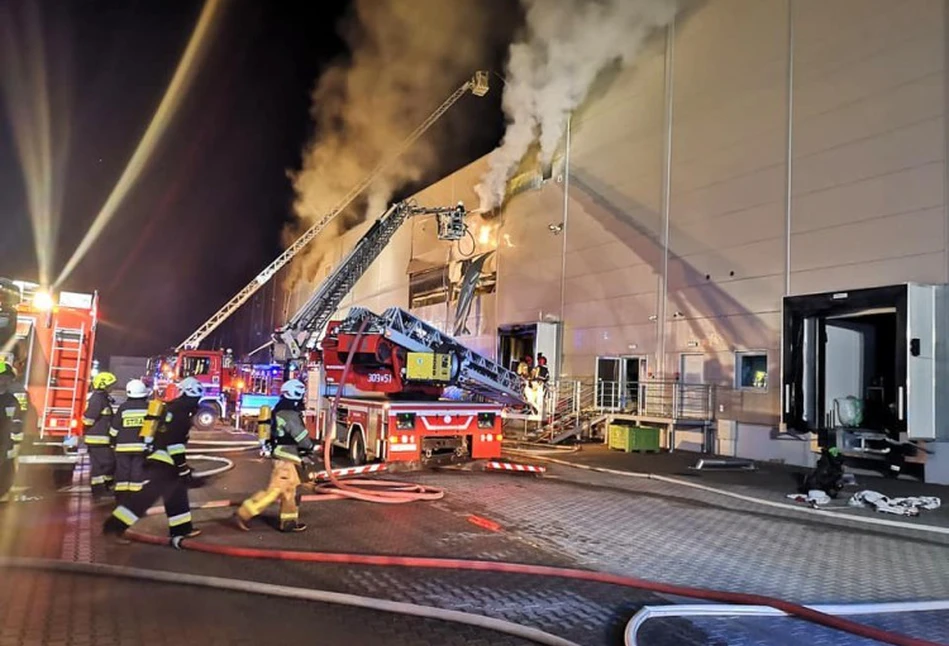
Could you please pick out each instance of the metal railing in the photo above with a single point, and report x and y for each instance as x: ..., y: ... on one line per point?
x: 672, y: 400
x: 574, y: 407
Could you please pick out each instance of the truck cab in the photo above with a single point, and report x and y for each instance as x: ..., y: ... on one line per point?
x: 215, y: 369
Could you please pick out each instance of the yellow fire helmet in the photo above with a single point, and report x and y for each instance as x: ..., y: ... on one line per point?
x: 103, y: 380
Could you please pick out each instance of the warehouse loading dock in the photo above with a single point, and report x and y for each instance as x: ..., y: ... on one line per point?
x: 865, y: 370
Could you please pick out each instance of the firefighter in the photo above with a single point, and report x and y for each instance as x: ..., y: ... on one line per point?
x: 96, y: 420
x: 11, y: 429
x: 129, y: 446
x: 541, y: 373
x: 167, y: 473
x: 289, y: 443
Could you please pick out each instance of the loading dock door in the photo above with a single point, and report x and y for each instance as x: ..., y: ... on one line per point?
x: 811, y: 355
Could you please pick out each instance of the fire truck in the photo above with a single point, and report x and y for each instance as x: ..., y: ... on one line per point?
x: 216, y: 369
x: 392, y: 400
x: 392, y: 403
x: 51, y: 349
x: 164, y: 370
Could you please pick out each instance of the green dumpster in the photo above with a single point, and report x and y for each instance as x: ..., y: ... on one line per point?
x: 627, y: 437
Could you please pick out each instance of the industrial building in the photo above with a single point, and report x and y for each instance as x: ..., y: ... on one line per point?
x: 755, y: 151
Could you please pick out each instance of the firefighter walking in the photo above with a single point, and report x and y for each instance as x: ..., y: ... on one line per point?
x: 126, y: 432
x: 11, y: 430
x: 96, y: 421
x: 167, y: 473
x: 288, y: 443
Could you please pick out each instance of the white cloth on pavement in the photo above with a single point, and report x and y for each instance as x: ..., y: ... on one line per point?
x: 910, y: 506
x: 813, y: 497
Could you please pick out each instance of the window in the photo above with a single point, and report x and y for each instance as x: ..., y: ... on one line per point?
x: 752, y: 370
x: 193, y: 366
x: 428, y: 287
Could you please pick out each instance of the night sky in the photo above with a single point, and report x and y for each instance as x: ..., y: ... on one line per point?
x: 207, y: 212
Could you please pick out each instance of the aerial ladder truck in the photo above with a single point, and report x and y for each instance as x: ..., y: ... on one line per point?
x: 215, y: 368
x: 392, y: 404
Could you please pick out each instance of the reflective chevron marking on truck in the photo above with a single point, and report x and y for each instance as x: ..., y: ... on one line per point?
x: 513, y: 466
x: 349, y: 471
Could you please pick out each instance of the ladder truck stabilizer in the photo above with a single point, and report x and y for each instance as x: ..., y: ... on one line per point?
x: 302, y: 331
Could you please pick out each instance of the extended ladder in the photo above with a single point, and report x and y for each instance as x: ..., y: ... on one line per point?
x: 63, y: 383
x: 471, y: 371
x: 302, y: 331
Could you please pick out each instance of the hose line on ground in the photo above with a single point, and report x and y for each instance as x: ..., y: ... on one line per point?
x: 646, y: 613
x: 381, y: 491
x: 324, y: 596
x: 932, y: 529
x: 721, y: 596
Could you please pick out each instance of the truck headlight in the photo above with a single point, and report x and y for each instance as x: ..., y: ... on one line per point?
x: 486, y: 420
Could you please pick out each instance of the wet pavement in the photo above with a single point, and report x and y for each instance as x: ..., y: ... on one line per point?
x: 573, y: 518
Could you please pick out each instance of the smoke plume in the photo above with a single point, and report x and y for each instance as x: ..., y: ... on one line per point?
x: 406, y: 57
x: 550, y: 69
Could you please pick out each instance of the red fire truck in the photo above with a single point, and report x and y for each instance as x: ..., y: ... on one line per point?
x: 52, y: 352
x: 392, y: 406
x: 213, y: 368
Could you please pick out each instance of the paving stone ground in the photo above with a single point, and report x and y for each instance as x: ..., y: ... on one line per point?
x: 574, y: 518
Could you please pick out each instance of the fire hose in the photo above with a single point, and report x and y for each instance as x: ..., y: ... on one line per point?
x: 391, y: 492
x: 720, y: 596
x: 307, y: 594
x: 387, y: 492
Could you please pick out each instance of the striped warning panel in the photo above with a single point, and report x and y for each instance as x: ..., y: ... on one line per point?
x: 349, y: 471
x: 514, y: 466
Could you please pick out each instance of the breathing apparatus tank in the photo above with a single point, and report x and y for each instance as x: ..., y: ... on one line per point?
x: 153, y: 417
x: 264, y: 421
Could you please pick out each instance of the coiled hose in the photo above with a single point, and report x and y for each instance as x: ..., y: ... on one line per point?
x: 387, y: 492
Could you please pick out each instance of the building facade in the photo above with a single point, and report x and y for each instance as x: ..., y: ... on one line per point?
x: 757, y: 149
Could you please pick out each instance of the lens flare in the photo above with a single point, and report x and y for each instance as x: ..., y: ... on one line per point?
x: 40, y: 143
x: 184, y: 73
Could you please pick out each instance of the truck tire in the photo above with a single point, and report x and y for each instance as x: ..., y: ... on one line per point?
x: 357, y: 449
x: 206, y: 417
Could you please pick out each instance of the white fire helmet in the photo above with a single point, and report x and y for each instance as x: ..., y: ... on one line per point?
x: 136, y: 389
x: 293, y: 390
x: 191, y: 387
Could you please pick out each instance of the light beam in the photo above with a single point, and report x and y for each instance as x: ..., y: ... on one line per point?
x: 174, y: 94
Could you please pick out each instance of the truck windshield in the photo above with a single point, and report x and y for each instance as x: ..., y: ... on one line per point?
x: 194, y: 366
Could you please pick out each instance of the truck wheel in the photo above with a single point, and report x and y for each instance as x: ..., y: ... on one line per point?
x: 205, y: 418
x: 357, y: 450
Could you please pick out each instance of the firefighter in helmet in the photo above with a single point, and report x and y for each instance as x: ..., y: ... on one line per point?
x: 167, y: 474
x: 11, y: 429
x: 126, y: 431
x: 96, y: 421
x: 288, y: 444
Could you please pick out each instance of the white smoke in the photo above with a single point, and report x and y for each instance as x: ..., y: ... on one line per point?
x: 550, y: 70
x: 406, y: 58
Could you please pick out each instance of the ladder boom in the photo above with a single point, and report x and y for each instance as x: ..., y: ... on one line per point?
x: 477, y: 85
x: 302, y: 330
x: 472, y: 371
